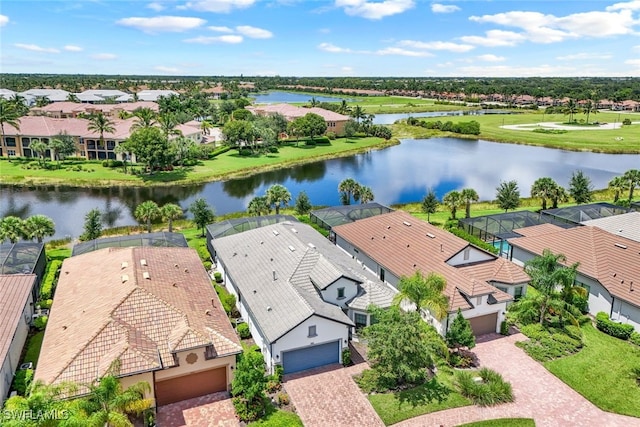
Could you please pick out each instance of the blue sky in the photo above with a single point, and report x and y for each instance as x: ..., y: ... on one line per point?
x: 322, y: 37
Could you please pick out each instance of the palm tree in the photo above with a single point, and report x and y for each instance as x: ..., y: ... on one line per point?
x: 206, y: 126
x: 108, y: 405
x: 72, y: 97
x: 9, y: 115
x: 589, y: 107
x: 424, y: 292
x: 366, y: 194
x: 278, y: 195
x: 40, y: 148
x: 123, y: 150
x: 258, y: 206
x: 11, y: 228
x: 344, y: 108
x: 171, y: 212
x: 618, y: 185
x: 469, y: 195
x: 570, y: 109
x: 544, y: 189
x: 346, y: 188
x: 101, y: 124
x: 632, y: 179
x: 147, y: 212
x: 168, y: 122
x: 145, y: 118
x: 358, y: 113
x: 452, y: 200
x: 558, y: 194
x: 313, y: 101
x: 39, y: 227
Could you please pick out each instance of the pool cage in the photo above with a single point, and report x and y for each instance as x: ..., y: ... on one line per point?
x: 635, y: 206
x: 337, y: 215
x: 24, y: 258
x: 161, y: 239
x: 577, y: 214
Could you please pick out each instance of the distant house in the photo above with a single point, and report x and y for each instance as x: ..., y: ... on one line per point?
x: 53, y: 95
x: 609, y: 266
x: 151, y: 309
x: 103, y: 95
x: 154, y: 95
x: 67, y: 109
x: 396, y: 245
x: 299, y: 294
x: 335, y: 122
x: 16, y: 309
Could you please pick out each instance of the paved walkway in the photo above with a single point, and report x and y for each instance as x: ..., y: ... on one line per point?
x: 538, y: 394
x: 328, y: 397
x: 211, y: 410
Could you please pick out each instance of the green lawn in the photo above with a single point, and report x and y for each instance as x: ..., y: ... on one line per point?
x: 624, y: 140
x: 503, y: 422
x: 278, y: 419
x: 33, y: 348
x: 601, y: 372
x: 395, y: 407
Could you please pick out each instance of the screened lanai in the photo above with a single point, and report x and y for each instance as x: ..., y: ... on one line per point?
x: 338, y: 215
x: 24, y: 258
x: 580, y: 213
x: 161, y: 239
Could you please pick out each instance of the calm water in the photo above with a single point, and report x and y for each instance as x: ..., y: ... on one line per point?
x: 398, y: 174
x: 277, y: 97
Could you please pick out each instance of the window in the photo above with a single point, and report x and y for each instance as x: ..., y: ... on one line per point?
x: 10, y: 142
x: 312, y: 331
x: 11, y: 153
x: 26, y: 142
x: 340, y: 293
x: 585, y: 286
x: 360, y: 320
x: 210, y: 353
x: 517, y: 293
x: 382, y: 274
x: 466, y: 253
x: 478, y: 301
x: 503, y: 289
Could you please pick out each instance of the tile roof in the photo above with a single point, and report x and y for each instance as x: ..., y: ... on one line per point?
x: 291, y: 111
x: 403, y: 244
x: 14, y: 291
x: 612, y: 260
x: 536, y: 230
x: 625, y: 225
x: 137, y: 304
x: 51, y: 94
x: 500, y: 270
x: 373, y: 293
x: 77, y: 107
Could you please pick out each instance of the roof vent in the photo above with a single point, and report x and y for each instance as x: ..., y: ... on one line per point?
x: 311, y: 245
x: 145, y: 274
x: 407, y: 223
x: 620, y: 245
x: 388, y: 227
x: 294, y: 230
x: 268, y: 308
x: 175, y: 285
x: 261, y: 242
x: 207, y: 312
x: 631, y: 286
x: 431, y: 235
x: 255, y: 292
x: 186, y: 270
x: 275, y: 233
x: 291, y: 248
x: 143, y: 262
x: 124, y: 264
x: 125, y: 277
x: 175, y: 265
x: 407, y: 245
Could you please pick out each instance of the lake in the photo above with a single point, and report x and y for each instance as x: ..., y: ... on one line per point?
x: 398, y: 174
x: 279, y: 97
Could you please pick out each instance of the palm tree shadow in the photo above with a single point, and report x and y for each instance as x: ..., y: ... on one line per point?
x: 423, y: 394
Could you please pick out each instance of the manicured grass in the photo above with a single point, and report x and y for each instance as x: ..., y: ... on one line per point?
x: 34, y: 344
x: 58, y: 253
x: 601, y: 372
x: 503, y: 422
x: 623, y: 140
x: 226, y: 165
x: 279, y: 419
x: 395, y: 407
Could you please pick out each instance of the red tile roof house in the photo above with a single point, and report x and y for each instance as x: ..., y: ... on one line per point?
x: 335, y: 122
x: 152, y: 309
x: 16, y: 309
x: 609, y: 266
x: 397, y: 244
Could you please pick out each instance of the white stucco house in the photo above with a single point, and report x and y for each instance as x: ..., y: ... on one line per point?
x: 300, y: 295
x: 609, y: 266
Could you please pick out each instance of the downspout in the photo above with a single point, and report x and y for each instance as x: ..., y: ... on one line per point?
x: 613, y: 301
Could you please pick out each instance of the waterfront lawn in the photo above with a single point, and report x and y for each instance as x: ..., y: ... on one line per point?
x: 503, y: 422
x: 623, y: 140
x: 602, y: 372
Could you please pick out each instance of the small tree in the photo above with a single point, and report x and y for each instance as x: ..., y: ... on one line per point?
x: 248, y: 386
x: 430, y: 203
x: 580, y: 187
x: 278, y: 195
x: 11, y: 229
x: 452, y: 200
x: 460, y: 333
x: 147, y: 212
x: 508, y: 195
x: 468, y: 195
x: 170, y: 212
x: 92, y: 225
x: 203, y: 214
x: 303, y: 204
x: 39, y: 227
x: 258, y: 206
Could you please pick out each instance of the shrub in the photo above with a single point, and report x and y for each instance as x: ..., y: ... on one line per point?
x: 248, y: 410
x: 219, y: 151
x: 370, y: 381
x: 469, y: 238
x: 245, y: 152
x: 207, y: 265
x: 612, y: 328
x: 227, y: 299
x: 282, y: 399
x: 22, y: 380
x: 243, y: 330
x: 45, y: 303
x: 50, y: 279
x: 273, y: 385
x: 635, y: 338
x: 492, y: 390
x: 273, y: 149
x: 463, y: 359
x: 346, y: 357
x: 626, y: 121
x: 331, y: 135
x: 203, y: 252
x: 41, y: 322
x: 278, y: 372
x: 549, y: 344
x: 218, y: 277
x: 504, y: 328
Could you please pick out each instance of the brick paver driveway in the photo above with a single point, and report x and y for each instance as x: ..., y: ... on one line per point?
x: 211, y: 410
x: 539, y: 394
x: 328, y: 397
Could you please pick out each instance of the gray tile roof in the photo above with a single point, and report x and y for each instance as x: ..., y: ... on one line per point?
x: 272, y: 267
x: 624, y: 225
x: 373, y: 293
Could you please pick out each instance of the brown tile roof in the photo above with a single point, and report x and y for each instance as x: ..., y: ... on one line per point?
x: 136, y: 304
x: 291, y: 111
x: 403, y: 244
x: 15, y: 290
x: 536, y: 230
x: 612, y: 260
x: 77, y: 107
x: 499, y: 270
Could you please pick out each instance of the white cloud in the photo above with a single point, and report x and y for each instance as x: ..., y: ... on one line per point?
x: 167, y: 70
x: 636, y: 48
x: 254, y: 32
x: 543, y: 70
x: 218, y: 6
x: 155, y: 6
x: 73, y: 48
x: 158, y: 24
x: 583, y: 55
x: 36, y: 48
x: 227, y: 38
x: 631, y: 5
x: 494, y: 38
x: 104, y: 56
x: 444, y: 8
x: 346, y: 70
x: 328, y: 47
x: 374, y: 9
x: 633, y: 62
x: 437, y: 45
x: 220, y: 29
x: 490, y: 58
x: 324, y: 30
x: 4, y: 20
x: 402, y: 52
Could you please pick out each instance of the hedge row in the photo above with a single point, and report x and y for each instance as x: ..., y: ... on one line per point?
x: 474, y: 240
x: 219, y: 151
x: 50, y: 278
x: 615, y: 329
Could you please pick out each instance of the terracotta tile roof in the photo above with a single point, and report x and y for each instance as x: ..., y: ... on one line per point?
x: 15, y: 290
x: 403, y: 244
x: 536, y: 230
x: 47, y: 127
x: 291, y: 111
x: 612, y: 260
x: 499, y: 270
x: 137, y: 304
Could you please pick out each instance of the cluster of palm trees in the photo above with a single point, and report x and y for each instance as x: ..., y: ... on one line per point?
x: 149, y: 211
x: 350, y: 189
x: 455, y: 199
x: 628, y: 181
x: 37, y: 227
x: 276, y: 196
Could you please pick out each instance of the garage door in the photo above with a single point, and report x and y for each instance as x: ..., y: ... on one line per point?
x: 311, y: 357
x: 484, y: 324
x: 189, y: 386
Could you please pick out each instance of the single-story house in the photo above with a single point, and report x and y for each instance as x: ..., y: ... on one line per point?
x: 150, y: 310
x: 335, y: 121
x: 396, y: 245
x: 609, y: 266
x: 299, y: 294
x: 16, y: 309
